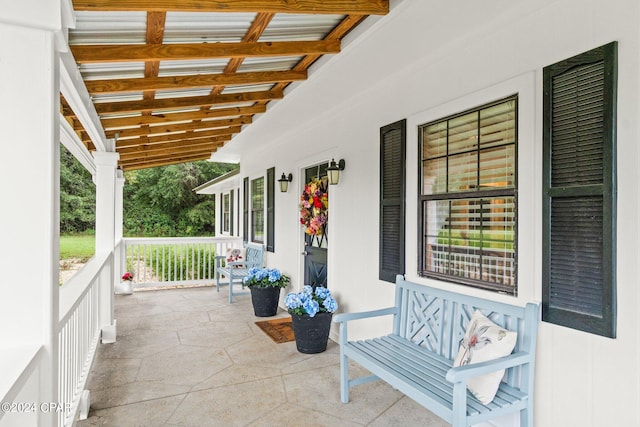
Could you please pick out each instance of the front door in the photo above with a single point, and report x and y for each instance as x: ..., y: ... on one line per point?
x: 316, y: 245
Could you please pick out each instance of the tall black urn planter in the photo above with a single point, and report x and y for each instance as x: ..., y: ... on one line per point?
x: 312, y: 333
x: 265, y: 300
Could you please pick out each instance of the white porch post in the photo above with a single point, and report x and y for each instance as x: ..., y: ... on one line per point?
x: 29, y: 217
x: 119, y: 262
x: 105, y: 179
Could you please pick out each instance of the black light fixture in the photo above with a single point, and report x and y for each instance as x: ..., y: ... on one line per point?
x: 284, y: 182
x: 333, y: 171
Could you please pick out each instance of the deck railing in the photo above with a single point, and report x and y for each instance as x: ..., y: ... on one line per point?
x: 78, y: 334
x: 176, y: 261
x: 489, y: 266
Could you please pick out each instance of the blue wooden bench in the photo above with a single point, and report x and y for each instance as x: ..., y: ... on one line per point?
x: 235, y: 271
x: 417, y: 357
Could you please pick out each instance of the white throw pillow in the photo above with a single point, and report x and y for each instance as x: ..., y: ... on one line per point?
x: 235, y: 255
x: 484, y: 340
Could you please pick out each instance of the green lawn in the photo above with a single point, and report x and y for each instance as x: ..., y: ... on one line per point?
x: 80, y: 246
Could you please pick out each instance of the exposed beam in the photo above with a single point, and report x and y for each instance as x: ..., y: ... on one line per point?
x: 189, y: 51
x: 175, y: 150
x: 340, y: 7
x: 160, y: 118
x: 187, y: 102
x: 172, y: 145
x: 177, y: 137
x: 164, y: 162
x: 182, y: 127
x: 76, y: 95
x: 189, y: 82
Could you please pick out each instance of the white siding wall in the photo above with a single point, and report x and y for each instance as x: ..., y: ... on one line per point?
x: 430, y: 58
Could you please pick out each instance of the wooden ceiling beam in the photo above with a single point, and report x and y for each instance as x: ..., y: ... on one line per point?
x: 173, y: 151
x: 339, y: 7
x: 182, y: 127
x: 195, y: 81
x: 84, y: 54
x: 173, y: 145
x: 228, y: 132
x: 159, y: 118
x: 186, y: 102
x: 136, y: 165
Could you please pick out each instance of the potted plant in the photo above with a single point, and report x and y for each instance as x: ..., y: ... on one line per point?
x: 265, y: 285
x: 125, y: 287
x: 311, y: 311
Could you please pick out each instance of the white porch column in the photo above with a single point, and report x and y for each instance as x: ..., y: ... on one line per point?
x: 105, y: 179
x: 120, y: 265
x: 29, y: 213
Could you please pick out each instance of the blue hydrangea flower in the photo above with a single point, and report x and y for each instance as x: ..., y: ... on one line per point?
x: 274, y: 275
x: 322, y: 293
x: 330, y: 304
x: 311, y: 307
x: 292, y: 300
x: 308, y: 290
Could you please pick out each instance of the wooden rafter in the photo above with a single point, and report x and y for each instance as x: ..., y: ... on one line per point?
x: 190, y: 82
x: 182, y: 127
x: 177, y: 137
x: 187, y: 102
x: 188, y: 51
x: 339, y: 7
x: 172, y: 146
x: 160, y: 118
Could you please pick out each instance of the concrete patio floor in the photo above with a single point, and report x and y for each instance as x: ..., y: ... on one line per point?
x: 186, y: 357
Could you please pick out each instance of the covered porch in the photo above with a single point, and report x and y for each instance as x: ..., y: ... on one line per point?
x: 186, y: 357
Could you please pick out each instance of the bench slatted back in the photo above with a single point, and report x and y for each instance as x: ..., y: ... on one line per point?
x: 254, y: 255
x: 437, y: 320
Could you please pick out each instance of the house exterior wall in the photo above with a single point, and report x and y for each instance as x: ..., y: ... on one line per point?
x: 426, y: 60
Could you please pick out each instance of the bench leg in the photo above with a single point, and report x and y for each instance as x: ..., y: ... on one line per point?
x: 344, y: 377
x: 526, y: 418
x: 217, y: 281
x: 459, y: 405
x: 230, y: 288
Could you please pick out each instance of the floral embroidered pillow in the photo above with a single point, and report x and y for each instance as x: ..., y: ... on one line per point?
x: 235, y: 255
x: 484, y: 340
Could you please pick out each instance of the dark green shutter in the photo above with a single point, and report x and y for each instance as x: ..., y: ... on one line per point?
x: 231, y: 213
x: 271, y: 208
x: 579, y: 244
x: 245, y: 209
x: 392, y: 200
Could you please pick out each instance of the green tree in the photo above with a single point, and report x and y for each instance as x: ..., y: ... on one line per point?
x: 77, y: 195
x: 161, y: 201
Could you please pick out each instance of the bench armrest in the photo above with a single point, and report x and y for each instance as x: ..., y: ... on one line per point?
x: 464, y: 373
x: 345, y: 317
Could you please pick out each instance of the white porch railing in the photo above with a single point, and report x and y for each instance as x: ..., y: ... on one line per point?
x: 493, y: 266
x: 78, y: 334
x: 158, y: 262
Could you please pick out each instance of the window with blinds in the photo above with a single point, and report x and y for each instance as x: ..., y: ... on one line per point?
x: 579, y: 192
x: 226, y: 213
x: 468, y: 197
x: 257, y: 210
x: 271, y: 209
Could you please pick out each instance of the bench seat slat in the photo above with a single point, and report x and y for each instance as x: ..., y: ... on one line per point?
x: 408, y: 360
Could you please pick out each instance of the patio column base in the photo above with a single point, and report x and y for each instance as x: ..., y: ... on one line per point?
x: 109, y: 333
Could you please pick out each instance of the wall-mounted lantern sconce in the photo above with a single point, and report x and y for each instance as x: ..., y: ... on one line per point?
x: 333, y: 171
x: 284, y: 182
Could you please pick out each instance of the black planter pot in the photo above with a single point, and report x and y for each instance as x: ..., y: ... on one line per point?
x: 312, y: 333
x: 265, y: 300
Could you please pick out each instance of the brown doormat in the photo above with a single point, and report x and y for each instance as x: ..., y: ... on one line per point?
x: 279, y: 330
